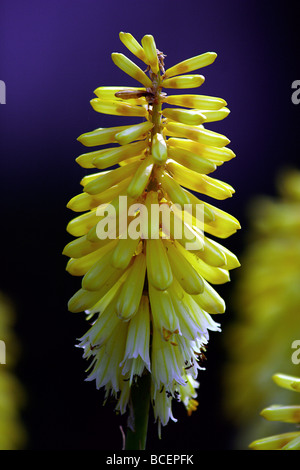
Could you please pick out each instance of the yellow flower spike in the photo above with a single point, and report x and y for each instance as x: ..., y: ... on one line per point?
x: 191, y: 160
x: 133, y: 133
x: 149, y: 47
x: 195, y: 101
x: 110, y: 157
x: 190, y: 117
x: 158, y: 267
x: 189, y: 65
x: 141, y: 244
x: 198, y: 134
x: 185, y: 274
x: 117, y: 108
x: 159, y: 149
x: 129, y: 67
x: 140, y: 179
x: 184, y: 81
x: 132, y: 44
x: 131, y: 292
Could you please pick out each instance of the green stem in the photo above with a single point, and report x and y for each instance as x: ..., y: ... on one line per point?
x: 156, y: 112
x: 140, y: 398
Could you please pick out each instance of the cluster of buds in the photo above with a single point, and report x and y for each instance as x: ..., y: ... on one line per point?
x: 149, y: 296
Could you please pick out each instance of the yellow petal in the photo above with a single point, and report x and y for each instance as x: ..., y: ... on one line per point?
x: 175, y: 193
x: 149, y: 46
x: 131, y: 293
x: 100, y: 136
x: 195, y: 101
x: 274, y: 442
x: 191, y: 160
x: 198, y: 134
x: 191, y: 64
x: 214, y: 154
x: 183, y: 81
x: 197, y: 182
x: 132, y: 44
x: 99, y: 273
x: 209, y: 300
x: 117, y: 108
x: 83, y: 223
x: 133, y: 132
x: 124, y: 252
x: 106, y: 179
x: 212, y: 116
x: 287, y: 381
x: 82, y: 246
x: 185, y: 274
x: 129, y: 67
x: 158, y: 267
x: 109, y: 157
x: 286, y: 414
x: 159, y: 149
x: 141, y: 177
x: 191, y: 117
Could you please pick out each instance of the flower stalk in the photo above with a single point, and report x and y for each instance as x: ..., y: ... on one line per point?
x: 140, y: 403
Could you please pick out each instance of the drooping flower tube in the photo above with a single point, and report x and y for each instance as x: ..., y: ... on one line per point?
x: 141, y: 243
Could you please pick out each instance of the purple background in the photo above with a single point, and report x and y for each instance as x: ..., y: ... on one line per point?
x: 53, y: 54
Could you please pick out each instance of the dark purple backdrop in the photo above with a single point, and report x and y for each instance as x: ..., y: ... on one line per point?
x: 53, y: 55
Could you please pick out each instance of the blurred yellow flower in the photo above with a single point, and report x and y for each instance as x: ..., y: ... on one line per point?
x: 12, y: 431
x: 266, y: 298
x: 286, y: 414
